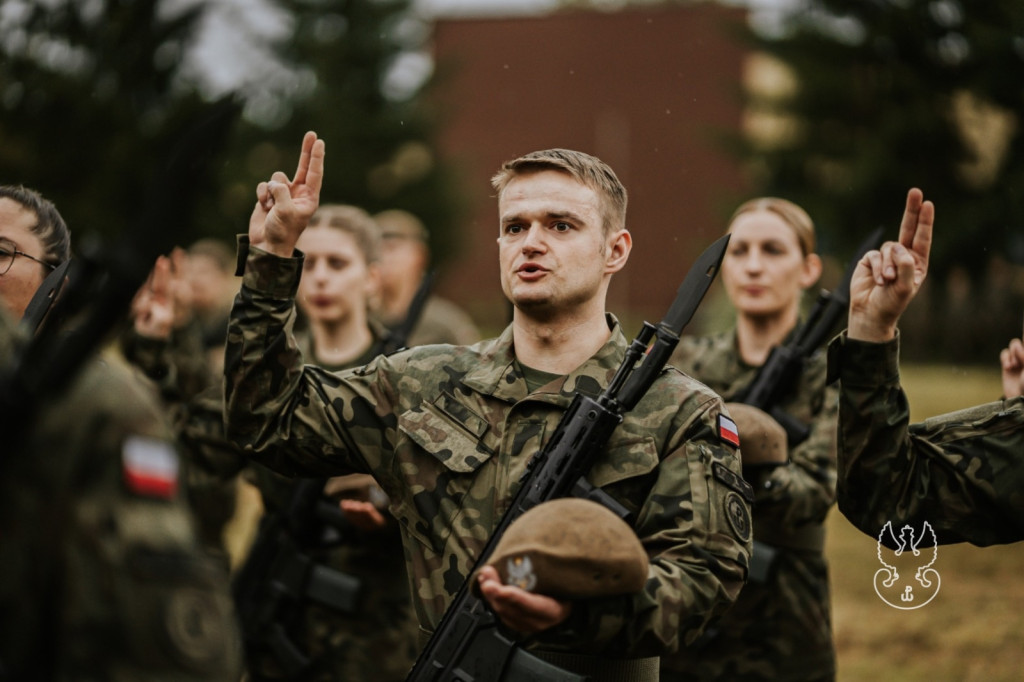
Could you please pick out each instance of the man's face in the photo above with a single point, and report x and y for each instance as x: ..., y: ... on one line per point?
x: 552, y: 250
x: 19, y: 284
x: 336, y: 279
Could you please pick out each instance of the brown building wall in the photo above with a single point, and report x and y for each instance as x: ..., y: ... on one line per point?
x: 650, y: 91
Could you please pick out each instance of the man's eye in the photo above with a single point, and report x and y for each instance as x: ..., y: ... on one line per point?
x: 562, y: 226
x: 513, y: 229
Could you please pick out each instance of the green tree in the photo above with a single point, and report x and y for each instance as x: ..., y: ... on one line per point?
x: 90, y: 102
x: 894, y: 93
x: 379, y: 132
x: 891, y: 94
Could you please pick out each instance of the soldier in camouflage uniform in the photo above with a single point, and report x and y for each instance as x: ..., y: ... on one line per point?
x: 102, y: 576
x: 448, y: 430
x: 405, y: 260
x: 380, y: 643
x: 960, y: 472
x: 780, y: 627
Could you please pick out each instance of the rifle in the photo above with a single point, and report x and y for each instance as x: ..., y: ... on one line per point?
x: 280, y: 575
x: 778, y: 375
x: 470, y: 644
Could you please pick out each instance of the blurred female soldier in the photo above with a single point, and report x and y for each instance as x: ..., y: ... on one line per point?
x: 780, y: 627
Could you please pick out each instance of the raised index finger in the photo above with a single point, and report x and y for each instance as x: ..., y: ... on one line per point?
x: 305, y: 157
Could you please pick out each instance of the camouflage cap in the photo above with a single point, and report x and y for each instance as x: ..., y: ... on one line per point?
x: 763, y: 440
x: 571, y: 548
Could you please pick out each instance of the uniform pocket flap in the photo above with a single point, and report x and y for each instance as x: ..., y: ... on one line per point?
x: 454, y: 440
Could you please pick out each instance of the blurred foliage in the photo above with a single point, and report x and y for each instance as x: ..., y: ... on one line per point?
x: 889, y: 94
x: 93, y: 93
x: 90, y: 109
x: 860, y: 100
x: 379, y: 135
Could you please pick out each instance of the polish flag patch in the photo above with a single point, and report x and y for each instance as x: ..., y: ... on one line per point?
x: 150, y: 467
x: 727, y: 431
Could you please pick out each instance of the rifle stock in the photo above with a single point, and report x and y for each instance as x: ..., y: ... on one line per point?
x: 470, y: 644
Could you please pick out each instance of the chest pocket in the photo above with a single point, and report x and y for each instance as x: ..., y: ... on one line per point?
x: 450, y: 443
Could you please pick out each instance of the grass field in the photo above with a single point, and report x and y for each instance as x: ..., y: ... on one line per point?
x: 974, y: 628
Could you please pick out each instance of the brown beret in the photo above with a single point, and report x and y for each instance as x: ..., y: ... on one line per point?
x: 571, y: 548
x: 762, y: 439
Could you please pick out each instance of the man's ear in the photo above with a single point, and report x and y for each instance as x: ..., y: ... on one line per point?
x: 617, y: 252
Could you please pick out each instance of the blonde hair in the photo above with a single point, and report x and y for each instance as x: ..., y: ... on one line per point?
x: 588, y: 170
x: 353, y: 220
x: 791, y: 214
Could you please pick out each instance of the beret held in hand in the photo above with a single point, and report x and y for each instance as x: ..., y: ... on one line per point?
x: 571, y: 548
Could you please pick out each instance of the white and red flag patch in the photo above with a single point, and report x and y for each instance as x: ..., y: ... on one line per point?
x: 150, y: 467
x: 727, y: 431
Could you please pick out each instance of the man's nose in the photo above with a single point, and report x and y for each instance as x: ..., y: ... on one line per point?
x: 534, y: 239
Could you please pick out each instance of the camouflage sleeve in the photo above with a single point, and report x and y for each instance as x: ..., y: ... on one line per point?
x: 695, y: 525
x: 286, y: 415
x: 177, y: 365
x: 804, y: 490
x: 107, y: 549
x: 960, y: 472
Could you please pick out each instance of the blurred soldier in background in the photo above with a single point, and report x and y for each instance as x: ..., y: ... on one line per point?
x: 961, y: 472
x: 404, y: 263
x: 780, y: 627
x: 102, y: 576
x: 211, y: 269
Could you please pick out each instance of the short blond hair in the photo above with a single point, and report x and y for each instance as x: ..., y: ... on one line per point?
x: 791, y: 214
x: 353, y: 220
x: 586, y: 169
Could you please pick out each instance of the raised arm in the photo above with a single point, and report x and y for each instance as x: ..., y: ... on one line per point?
x: 886, y: 280
x: 284, y: 207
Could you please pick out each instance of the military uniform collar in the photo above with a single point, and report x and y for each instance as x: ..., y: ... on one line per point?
x: 498, y: 375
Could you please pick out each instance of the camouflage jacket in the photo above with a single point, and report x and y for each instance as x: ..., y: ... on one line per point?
x: 448, y: 430
x: 102, y: 576
x: 780, y: 628
x: 961, y: 472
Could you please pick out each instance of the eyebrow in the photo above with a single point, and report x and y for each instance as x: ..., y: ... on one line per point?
x: 556, y: 215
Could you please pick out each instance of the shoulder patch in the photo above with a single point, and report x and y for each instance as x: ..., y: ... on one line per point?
x: 727, y: 431
x: 738, y: 513
x: 150, y: 467
x: 733, y: 480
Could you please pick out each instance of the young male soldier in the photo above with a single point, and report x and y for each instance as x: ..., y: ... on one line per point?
x: 448, y: 431
x: 961, y: 472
